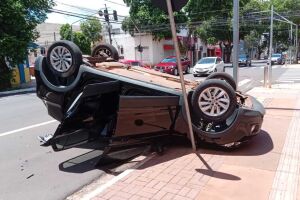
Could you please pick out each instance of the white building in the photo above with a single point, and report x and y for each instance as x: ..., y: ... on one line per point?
x: 49, y: 33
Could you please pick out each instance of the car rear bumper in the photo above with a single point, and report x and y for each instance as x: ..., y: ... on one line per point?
x: 247, y: 124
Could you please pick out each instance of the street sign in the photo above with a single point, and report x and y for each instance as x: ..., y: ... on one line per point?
x: 176, y: 4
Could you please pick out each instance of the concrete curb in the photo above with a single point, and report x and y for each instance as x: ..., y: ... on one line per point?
x: 19, y: 91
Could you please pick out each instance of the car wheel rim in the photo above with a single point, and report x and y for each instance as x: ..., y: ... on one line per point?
x: 61, y: 59
x: 214, y: 101
x: 103, y: 52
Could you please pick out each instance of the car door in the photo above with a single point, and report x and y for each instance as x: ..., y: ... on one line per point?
x: 221, y: 65
x: 90, y: 115
x: 217, y: 63
x: 146, y: 114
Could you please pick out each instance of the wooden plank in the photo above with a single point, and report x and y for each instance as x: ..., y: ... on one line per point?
x: 145, y: 75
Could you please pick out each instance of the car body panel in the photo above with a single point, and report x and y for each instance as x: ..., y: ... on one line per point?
x: 110, y: 101
x: 244, y: 60
x: 278, y: 58
x: 169, y: 64
x: 215, y: 64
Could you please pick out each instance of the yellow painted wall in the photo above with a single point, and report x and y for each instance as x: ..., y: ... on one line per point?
x: 27, y: 74
x: 15, y: 81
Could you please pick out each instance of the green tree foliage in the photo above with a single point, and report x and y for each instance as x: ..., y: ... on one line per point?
x: 81, y: 40
x: 148, y: 18
x: 18, y: 20
x: 65, y: 32
x: 91, y: 28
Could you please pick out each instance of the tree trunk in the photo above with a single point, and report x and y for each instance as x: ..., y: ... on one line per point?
x: 5, y: 75
x: 227, y: 53
x: 259, y: 53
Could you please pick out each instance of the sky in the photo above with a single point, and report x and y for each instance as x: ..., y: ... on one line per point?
x: 87, y: 7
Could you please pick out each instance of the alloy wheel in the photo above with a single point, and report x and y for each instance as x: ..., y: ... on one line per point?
x: 61, y: 59
x: 214, y: 101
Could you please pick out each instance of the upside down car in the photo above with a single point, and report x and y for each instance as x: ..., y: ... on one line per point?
x: 98, y: 98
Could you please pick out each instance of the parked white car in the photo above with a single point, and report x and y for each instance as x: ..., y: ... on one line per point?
x: 208, y: 65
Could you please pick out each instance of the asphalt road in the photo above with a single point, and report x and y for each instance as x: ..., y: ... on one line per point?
x: 29, y: 171
x: 250, y: 77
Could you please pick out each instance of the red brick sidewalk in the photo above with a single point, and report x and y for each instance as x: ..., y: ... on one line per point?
x: 250, y: 172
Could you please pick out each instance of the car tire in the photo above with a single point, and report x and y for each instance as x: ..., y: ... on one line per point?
x: 213, y: 101
x: 187, y: 70
x: 223, y: 76
x: 195, y: 75
x: 176, y: 72
x: 105, y: 51
x: 64, y: 58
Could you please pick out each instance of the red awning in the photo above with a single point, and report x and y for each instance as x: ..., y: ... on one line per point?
x: 168, y: 47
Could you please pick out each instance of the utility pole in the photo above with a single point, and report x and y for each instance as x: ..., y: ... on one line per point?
x: 270, y: 50
x: 236, y: 38
x: 106, y: 15
x: 54, y: 36
x: 296, y: 43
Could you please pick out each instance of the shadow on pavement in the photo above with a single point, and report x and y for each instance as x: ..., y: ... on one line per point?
x: 95, y: 160
x: 219, y: 175
x: 258, y: 145
x: 178, y: 147
x: 216, y: 174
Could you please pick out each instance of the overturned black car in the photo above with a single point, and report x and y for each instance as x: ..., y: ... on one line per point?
x: 97, y: 98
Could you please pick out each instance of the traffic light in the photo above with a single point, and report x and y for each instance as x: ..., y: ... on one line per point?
x: 115, y: 15
x: 140, y: 48
x: 106, y: 16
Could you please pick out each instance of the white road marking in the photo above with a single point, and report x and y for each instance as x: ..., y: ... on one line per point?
x: 26, y: 128
x: 100, y: 189
x: 284, y: 81
x: 243, y: 82
x: 290, y: 78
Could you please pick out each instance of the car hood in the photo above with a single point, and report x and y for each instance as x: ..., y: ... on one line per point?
x: 166, y: 64
x: 204, y: 66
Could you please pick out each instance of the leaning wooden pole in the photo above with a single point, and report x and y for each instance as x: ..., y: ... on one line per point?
x: 186, y: 104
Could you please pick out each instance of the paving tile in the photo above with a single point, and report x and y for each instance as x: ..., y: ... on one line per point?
x: 160, y: 185
x: 152, y: 183
x: 142, y: 193
x: 159, y: 195
x: 164, y: 177
x: 150, y: 190
x: 184, y: 191
x: 168, y: 196
x: 178, y: 197
x: 236, y: 182
x: 192, y: 193
x: 137, y: 197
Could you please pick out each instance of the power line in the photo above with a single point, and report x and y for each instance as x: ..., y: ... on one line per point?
x: 82, y: 16
x: 115, y: 3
